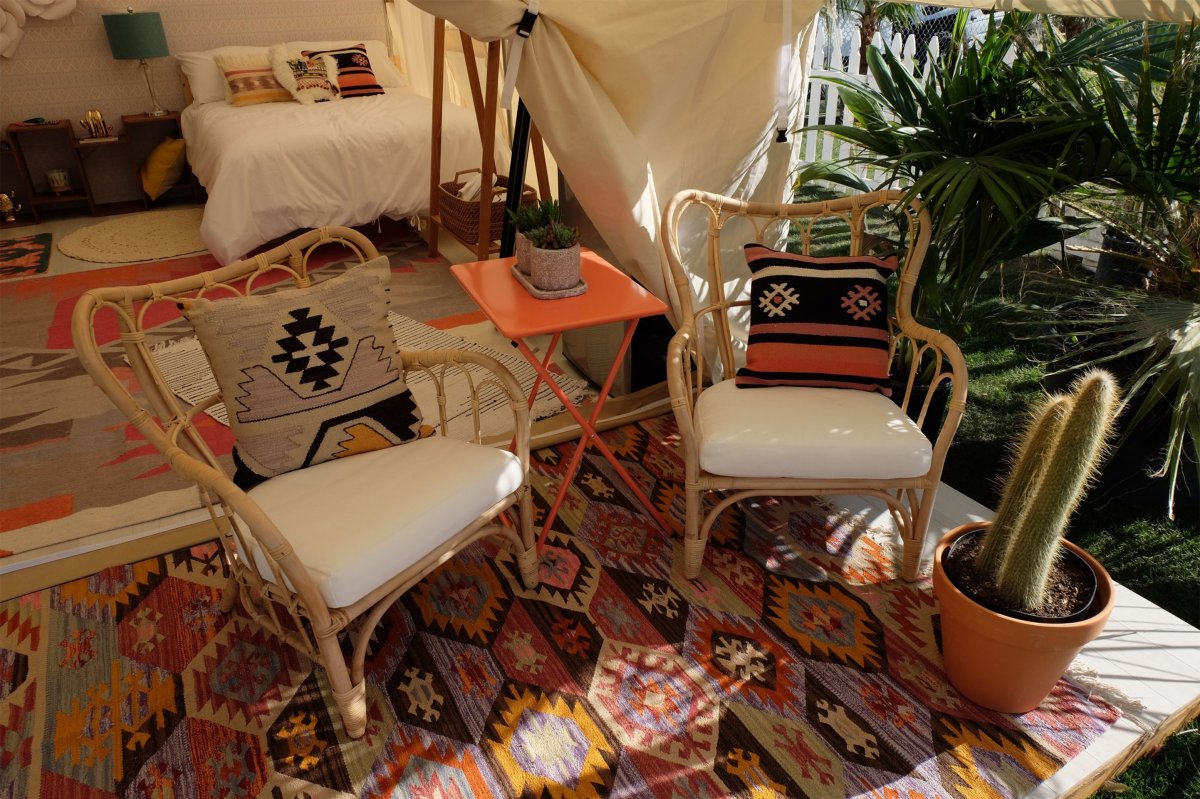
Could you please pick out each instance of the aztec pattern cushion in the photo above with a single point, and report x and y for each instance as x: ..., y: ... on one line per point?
x: 310, y: 80
x: 817, y: 321
x: 355, y: 76
x: 249, y: 80
x: 308, y: 375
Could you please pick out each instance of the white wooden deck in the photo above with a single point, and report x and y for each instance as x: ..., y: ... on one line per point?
x: 1145, y: 652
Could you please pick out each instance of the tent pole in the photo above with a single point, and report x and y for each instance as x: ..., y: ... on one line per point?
x: 516, y: 177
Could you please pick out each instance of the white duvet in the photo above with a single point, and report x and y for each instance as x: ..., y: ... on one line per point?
x: 276, y: 167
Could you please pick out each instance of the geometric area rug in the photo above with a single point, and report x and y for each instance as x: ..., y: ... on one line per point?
x: 795, y: 666
x: 24, y: 256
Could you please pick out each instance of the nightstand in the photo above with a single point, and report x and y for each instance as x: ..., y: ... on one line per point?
x: 62, y: 134
x: 145, y: 128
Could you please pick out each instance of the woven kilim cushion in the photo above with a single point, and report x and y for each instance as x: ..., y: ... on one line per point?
x: 355, y: 77
x: 308, y: 375
x: 249, y: 80
x: 817, y: 321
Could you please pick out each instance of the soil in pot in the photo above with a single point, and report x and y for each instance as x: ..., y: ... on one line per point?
x: 1069, y: 594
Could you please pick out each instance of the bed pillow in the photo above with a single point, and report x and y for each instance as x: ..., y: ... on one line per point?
x: 354, y: 76
x: 249, y: 80
x: 387, y: 74
x: 309, y: 374
x: 817, y: 321
x: 205, y: 79
x: 308, y: 80
x: 163, y: 167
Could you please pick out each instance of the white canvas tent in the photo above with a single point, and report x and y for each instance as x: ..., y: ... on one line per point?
x: 638, y: 100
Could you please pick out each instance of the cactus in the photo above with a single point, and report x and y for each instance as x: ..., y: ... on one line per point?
x: 1058, y: 456
x: 1033, y: 452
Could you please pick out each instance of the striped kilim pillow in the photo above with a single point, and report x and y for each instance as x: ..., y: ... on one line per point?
x: 355, y: 76
x: 817, y: 321
x: 308, y: 375
x: 250, y: 80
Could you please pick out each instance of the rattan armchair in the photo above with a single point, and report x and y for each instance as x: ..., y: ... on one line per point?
x: 274, y: 577
x: 819, y: 441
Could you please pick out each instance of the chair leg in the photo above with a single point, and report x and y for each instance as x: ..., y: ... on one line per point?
x: 914, y: 542
x: 351, y: 698
x: 693, y: 544
x: 527, y: 557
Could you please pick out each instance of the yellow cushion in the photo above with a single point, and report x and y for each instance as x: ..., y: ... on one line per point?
x: 163, y: 167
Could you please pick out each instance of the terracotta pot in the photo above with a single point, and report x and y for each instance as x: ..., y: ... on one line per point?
x: 521, y: 250
x: 554, y: 270
x: 1003, y: 663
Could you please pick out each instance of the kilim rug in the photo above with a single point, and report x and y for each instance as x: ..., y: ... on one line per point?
x: 71, y: 463
x: 795, y: 666
x: 25, y: 256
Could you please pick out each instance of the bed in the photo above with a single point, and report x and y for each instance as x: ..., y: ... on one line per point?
x: 275, y: 167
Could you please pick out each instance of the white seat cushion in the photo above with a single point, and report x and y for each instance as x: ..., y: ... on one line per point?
x: 357, y: 522
x: 807, y: 432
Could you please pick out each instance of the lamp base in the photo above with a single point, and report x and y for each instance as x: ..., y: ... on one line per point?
x: 158, y: 111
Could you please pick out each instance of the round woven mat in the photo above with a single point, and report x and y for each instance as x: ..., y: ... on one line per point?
x: 149, y: 236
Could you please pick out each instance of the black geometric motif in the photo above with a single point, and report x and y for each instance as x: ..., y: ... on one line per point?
x: 309, y: 340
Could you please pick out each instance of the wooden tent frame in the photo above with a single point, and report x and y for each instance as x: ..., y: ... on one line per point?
x: 486, y: 101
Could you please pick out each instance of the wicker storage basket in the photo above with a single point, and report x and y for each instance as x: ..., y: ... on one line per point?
x: 461, y: 217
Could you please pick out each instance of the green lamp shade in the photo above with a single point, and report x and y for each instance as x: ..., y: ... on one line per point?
x: 135, y: 36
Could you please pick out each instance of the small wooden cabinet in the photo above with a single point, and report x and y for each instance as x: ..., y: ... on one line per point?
x: 61, y: 136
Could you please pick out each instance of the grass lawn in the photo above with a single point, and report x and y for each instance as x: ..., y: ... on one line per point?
x: 1129, y: 534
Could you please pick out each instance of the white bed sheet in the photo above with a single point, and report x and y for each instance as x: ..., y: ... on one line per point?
x: 276, y: 167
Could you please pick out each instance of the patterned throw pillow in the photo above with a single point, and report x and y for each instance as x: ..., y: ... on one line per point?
x: 355, y: 76
x: 817, y: 321
x: 249, y: 80
x: 308, y: 375
x: 310, y: 80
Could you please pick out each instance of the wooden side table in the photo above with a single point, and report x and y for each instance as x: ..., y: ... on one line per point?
x: 612, y: 296
x: 168, y: 125
x: 61, y: 131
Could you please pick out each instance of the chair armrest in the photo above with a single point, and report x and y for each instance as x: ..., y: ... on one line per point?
x: 949, y: 366
x: 681, y: 370
x: 438, y: 363
x: 266, y: 534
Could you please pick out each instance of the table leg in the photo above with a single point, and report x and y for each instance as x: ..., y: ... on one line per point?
x: 589, y: 434
x: 537, y: 380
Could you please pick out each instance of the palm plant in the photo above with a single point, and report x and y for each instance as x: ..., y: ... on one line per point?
x: 1152, y: 119
x: 976, y: 141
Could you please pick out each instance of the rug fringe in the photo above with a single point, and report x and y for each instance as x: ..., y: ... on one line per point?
x: 1085, y: 675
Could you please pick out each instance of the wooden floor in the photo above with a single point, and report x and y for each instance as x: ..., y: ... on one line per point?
x: 1145, y: 653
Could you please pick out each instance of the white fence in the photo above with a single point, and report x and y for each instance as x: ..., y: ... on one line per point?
x: 846, y: 61
x: 822, y: 104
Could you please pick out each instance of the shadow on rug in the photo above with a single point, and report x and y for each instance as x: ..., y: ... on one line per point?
x: 25, y: 256
x: 795, y: 666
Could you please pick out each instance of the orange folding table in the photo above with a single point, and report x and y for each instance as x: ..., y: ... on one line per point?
x: 611, y: 296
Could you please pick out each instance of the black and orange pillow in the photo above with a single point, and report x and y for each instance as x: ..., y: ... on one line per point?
x: 355, y: 77
x: 817, y: 321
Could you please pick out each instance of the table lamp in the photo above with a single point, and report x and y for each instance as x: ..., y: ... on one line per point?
x: 138, y: 36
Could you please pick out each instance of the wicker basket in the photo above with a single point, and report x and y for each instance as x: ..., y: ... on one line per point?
x: 461, y: 217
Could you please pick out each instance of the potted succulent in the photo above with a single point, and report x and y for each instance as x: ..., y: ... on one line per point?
x: 531, y: 217
x: 554, y: 256
x: 1017, y: 601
